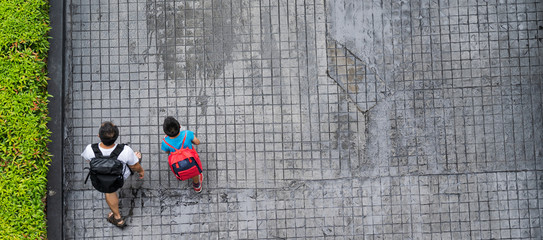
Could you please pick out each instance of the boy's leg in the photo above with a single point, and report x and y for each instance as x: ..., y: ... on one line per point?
x: 197, y: 182
x: 112, y: 201
x: 196, y: 179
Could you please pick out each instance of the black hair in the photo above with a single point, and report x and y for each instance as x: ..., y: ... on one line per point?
x: 171, y: 126
x: 108, y: 133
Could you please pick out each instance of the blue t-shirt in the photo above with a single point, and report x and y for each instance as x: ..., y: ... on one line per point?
x: 176, y: 142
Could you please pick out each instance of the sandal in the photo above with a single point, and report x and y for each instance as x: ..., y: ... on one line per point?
x: 117, y: 222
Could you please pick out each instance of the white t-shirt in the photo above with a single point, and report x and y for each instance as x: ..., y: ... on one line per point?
x: 127, y: 156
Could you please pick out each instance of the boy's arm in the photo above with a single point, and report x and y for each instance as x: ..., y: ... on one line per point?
x: 164, y: 148
x: 196, y: 141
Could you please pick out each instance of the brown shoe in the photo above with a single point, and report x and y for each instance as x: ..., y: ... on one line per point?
x: 117, y: 222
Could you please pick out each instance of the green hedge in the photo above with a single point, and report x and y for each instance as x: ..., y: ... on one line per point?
x: 24, y: 158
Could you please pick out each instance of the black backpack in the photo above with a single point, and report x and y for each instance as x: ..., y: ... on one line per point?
x: 106, y: 173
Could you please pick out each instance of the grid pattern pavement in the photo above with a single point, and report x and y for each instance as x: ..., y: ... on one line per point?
x: 318, y: 119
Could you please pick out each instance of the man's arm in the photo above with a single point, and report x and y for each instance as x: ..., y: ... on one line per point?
x: 137, y: 167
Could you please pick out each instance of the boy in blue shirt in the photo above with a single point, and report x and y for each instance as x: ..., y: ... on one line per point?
x: 174, y: 140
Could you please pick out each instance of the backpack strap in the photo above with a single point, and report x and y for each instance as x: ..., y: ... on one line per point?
x: 96, y: 150
x: 117, y: 151
x: 169, y: 144
x: 88, y: 174
x: 185, y: 137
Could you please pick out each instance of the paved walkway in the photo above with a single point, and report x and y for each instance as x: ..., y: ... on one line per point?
x: 318, y: 119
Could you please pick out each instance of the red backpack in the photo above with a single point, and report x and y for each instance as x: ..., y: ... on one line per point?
x: 185, y: 162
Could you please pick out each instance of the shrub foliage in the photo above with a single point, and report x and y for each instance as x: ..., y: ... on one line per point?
x: 24, y: 159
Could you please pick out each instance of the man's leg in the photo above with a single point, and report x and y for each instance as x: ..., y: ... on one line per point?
x: 112, y: 201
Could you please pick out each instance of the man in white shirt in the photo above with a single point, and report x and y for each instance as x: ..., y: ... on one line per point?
x: 108, y: 134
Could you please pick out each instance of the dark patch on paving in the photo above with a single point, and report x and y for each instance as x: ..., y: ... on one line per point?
x: 356, y: 78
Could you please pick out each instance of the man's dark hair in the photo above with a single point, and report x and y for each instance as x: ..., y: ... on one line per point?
x: 171, y: 126
x: 108, y: 133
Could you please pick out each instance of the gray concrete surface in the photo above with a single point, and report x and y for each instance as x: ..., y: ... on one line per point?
x: 318, y: 119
